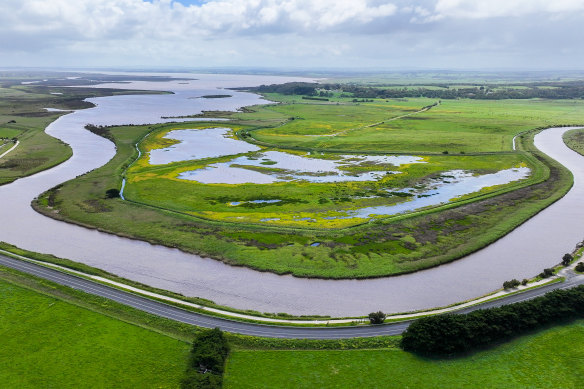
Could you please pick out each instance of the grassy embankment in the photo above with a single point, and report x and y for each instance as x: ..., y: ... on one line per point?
x: 392, y: 246
x: 574, y: 139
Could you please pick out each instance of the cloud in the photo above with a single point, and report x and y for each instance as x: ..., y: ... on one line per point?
x: 381, y: 33
x: 95, y: 19
x: 483, y: 9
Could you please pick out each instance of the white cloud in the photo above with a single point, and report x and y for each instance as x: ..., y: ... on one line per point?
x: 93, y: 19
x: 481, y: 9
x: 398, y: 33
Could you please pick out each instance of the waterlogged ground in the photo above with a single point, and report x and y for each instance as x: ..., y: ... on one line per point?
x: 213, y: 174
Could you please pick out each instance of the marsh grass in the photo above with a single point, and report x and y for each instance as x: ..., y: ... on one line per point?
x: 396, y: 245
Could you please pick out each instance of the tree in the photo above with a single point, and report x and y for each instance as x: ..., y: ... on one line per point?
x: 511, y: 284
x: 209, y: 351
x: 566, y: 259
x: 377, y: 317
x: 580, y: 267
x: 112, y: 193
x: 547, y: 273
x: 207, y: 360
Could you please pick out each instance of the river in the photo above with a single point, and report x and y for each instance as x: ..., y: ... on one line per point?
x: 539, y: 243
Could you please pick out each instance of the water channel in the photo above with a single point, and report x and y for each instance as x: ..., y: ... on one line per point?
x: 539, y: 243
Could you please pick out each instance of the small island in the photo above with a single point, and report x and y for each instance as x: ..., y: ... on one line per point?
x: 216, y: 96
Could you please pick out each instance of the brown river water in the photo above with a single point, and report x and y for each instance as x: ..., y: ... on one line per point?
x: 538, y: 243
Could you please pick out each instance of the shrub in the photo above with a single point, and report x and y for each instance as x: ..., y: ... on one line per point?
x: 377, y: 317
x: 207, y: 360
x: 195, y: 380
x: 524, y: 282
x: 567, y: 259
x: 547, y: 273
x: 580, y: 267
x: 112, y: 193
x: 511, y: 284
x: 209, y: 351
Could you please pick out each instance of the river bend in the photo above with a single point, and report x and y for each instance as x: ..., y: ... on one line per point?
x: 539, y: 243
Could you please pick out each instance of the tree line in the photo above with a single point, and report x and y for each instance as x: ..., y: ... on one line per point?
x: 558, y: 90
x: 452, y: 333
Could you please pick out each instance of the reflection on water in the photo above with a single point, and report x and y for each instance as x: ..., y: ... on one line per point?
x: 461, y: 183
x: 199, y: 144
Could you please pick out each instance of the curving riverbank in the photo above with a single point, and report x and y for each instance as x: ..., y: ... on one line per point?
x: 521, y: 254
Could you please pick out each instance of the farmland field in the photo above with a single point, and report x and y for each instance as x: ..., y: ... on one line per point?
x: 542, y: 360
x: 48, y: 342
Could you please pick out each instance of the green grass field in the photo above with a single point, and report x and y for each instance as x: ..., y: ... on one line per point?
x: 51, y: 343
x: 454, y: 125
x: 548, y: 359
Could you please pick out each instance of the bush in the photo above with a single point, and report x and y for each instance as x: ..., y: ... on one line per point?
x: 567, y: 259
x: 547, y: 273
x: 209, y: 351
x: 377, y: 317
x: 511, y: 284
x: 580, y: 267
x: 207, y: 360
x: 447, y: 334
x: 112, y: 193
x: 524, y: 282
x: 195, y: 380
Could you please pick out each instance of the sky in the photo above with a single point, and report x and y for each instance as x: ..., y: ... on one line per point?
x: 306, y: 34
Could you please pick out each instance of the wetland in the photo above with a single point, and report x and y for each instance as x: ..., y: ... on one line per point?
x: 394, y: 245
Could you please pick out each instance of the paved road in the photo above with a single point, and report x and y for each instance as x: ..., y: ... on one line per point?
x: 273, y: 331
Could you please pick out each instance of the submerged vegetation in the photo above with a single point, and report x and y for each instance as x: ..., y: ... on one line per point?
x: 303, y: 221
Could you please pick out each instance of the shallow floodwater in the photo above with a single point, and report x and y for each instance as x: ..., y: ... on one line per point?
x: 290, y: 167
x: 462, y: 183
x: 215, y: 142
x: 285, y: 166
x: 199, y: 144
x: 539, y: 243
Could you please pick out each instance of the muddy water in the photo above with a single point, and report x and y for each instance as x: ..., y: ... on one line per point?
x: 539, y: 243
